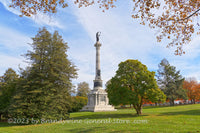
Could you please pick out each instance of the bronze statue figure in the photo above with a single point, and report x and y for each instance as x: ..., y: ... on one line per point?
x: 97, y: 35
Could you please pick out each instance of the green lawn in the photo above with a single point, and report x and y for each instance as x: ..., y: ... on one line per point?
x: 178, y: 119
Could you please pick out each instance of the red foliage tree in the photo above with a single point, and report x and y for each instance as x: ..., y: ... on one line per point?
x: 193, y: 89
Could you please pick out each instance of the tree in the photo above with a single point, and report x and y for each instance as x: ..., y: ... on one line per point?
x: 196, y: 91
x: 83, y: 89
x: 46, y: 85
x: 78, y: 102
x: 174, y: 19
x: 192, y: 88
x: 133, y: 83
x: 170, y: 81
x: 8, y: 83
x: 32, y: 7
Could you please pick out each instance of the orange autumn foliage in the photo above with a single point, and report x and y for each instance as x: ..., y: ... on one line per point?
x: 193, y: 89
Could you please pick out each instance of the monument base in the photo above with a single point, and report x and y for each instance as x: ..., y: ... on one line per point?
x: 98, y: 108
x: 98, y: 101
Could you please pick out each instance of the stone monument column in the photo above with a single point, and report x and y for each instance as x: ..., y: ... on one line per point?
x: 97, y: 81
x: 98, y: 70
x: 97, y: 99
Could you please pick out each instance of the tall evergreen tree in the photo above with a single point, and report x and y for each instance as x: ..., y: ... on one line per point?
x: 8, y: 83
x: 170, y: 81
x: 46, y: 85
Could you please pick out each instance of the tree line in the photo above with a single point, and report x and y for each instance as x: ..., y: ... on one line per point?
x: 134, y: 84
x: 44, y: 89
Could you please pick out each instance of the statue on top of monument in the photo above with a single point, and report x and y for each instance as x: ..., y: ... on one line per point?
x: 97, y: 35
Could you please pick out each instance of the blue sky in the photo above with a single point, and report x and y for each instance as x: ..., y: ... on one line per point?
x: 122, y: 38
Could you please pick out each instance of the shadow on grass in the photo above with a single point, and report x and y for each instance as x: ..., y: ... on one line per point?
x: 188, y: 112
x: 99, y: 129
x: 178, y: 105
x: 85, y: 130
x: 103, y: 116
x: 156, y: 107
x: 6, y: 124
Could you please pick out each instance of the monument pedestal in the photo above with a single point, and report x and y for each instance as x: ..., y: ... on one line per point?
x: 98, y: 101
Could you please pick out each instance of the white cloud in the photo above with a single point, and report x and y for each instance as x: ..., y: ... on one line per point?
x: 119, y: 39
x: 10, y: 62
x: 122, y: 38
x: 44, y: 19
x: 6, y: 4
x: 12, y: 45
x: 12, y: 39
x: 40, y: 18
x: 193, y: 48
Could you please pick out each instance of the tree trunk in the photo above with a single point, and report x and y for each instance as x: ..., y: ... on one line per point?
x: 138, y: 109
x: 193, y: 100
x: 172, y: 102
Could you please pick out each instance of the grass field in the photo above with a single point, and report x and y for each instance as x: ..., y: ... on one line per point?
x: 178, y: 119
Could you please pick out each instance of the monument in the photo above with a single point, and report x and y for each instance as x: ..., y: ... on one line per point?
x: 97, y: 98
